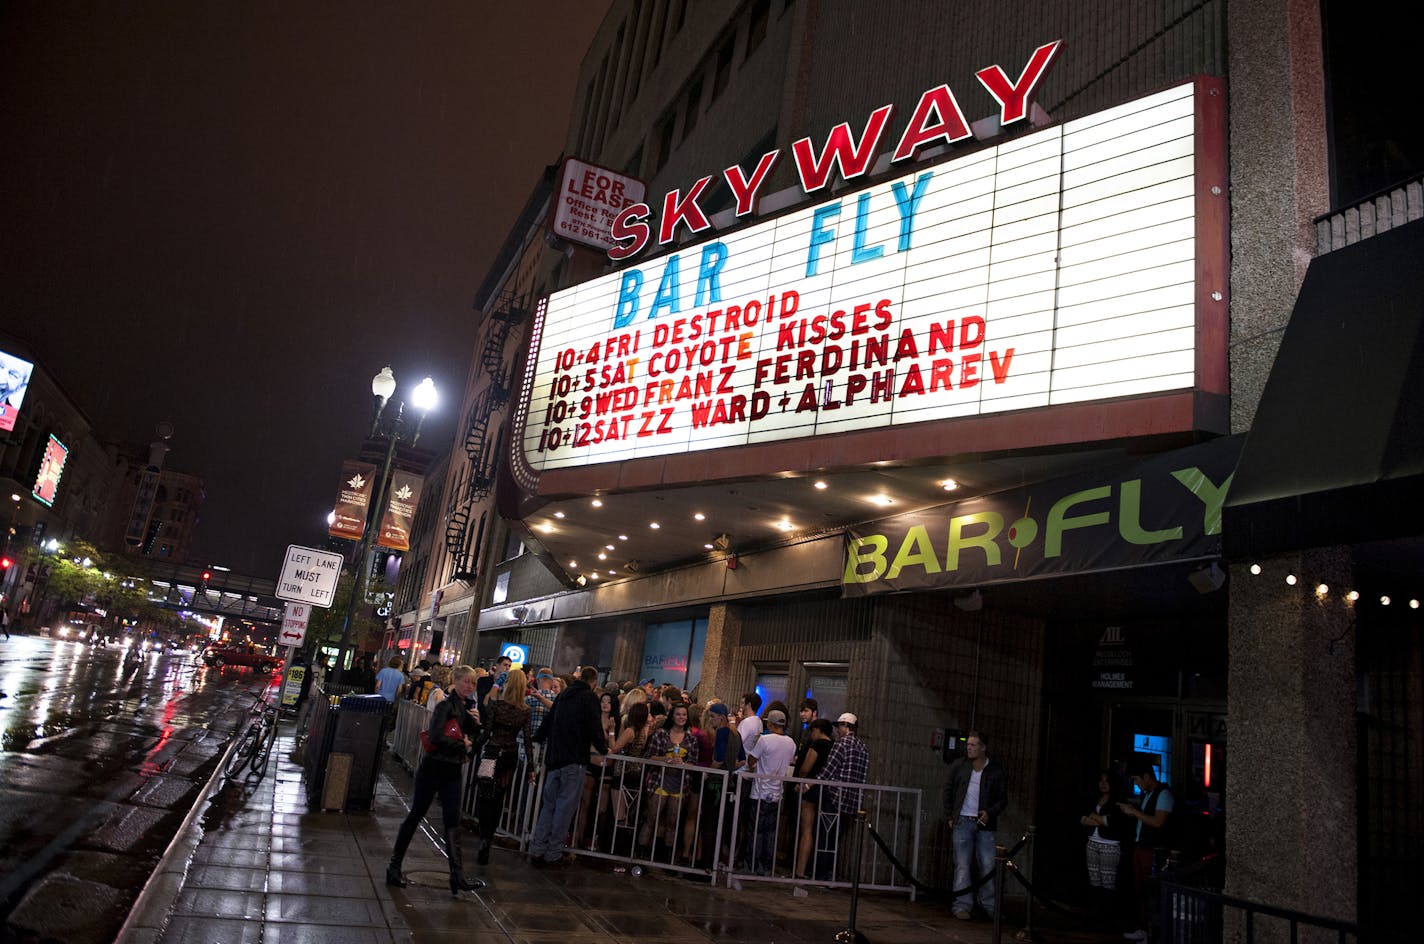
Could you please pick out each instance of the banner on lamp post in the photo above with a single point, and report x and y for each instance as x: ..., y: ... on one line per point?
x: 399, y: 512
x: 353, y: 499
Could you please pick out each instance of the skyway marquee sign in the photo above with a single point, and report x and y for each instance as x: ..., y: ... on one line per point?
x: 1058, y: 267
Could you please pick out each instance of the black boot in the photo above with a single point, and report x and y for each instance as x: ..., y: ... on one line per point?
x: 458, y: 882
x: 393, y: 868
x: 484, y: 854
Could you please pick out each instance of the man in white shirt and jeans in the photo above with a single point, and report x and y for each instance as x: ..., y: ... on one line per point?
x: 768, y: 760
x: 976, y: 793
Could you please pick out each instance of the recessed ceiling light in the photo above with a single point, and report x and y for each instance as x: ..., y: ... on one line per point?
x: 820, y: 484
x: 622, y: 537
x: 602, y: 556
x: 784, y: 525
x: 699, y: 516
x: 608, y: 547
x: 654, y: 525
x: 573, y: 563
x: 882, y: 499
x: 708, y: 546
x: 546, y: 527
x: 597, y: 503
x: 594, y: 575
x: 558, y: 514
x: 949, y: 485
x: 613, y: 573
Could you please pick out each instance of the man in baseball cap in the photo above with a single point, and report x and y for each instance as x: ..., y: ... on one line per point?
x: 849, y: 762
x: 769, y: 758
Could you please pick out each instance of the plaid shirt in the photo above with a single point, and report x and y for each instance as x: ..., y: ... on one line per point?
x: 537, y: 709
x: 849, y: 763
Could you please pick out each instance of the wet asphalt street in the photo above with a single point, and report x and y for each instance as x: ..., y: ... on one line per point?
x: 100, y: 760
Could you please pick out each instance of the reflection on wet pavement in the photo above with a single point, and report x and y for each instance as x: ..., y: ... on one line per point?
x: 99, y: 762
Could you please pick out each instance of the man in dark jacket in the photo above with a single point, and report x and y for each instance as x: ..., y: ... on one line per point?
x: 572, y: 727
x: 976, y: 793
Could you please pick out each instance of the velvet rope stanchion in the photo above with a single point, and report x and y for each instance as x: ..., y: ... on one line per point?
x: 850, y: 935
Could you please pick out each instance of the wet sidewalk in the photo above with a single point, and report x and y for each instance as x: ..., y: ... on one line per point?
x: 263, y: 869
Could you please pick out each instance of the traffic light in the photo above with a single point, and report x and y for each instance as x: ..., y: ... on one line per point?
x: 203, y: 580
x: 6, y: 562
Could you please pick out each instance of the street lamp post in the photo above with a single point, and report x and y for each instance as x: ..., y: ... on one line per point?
x: 423, y: 398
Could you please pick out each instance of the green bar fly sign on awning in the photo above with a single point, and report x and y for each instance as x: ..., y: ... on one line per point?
x: 1152, y: 511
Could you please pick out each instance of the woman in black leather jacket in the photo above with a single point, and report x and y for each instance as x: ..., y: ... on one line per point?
x: 439, y: 774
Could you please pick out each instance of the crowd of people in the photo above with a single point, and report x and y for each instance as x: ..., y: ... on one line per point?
x: 582, y: 736
x: 507, y: 720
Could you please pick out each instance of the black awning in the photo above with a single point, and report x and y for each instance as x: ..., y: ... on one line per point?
x: 1336, y: 452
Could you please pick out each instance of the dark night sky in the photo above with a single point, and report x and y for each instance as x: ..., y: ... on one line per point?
x: 232, y: 215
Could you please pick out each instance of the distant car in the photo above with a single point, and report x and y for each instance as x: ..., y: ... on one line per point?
x: 250, y: 656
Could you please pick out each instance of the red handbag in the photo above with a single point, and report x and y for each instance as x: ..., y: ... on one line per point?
x: 452, y: 730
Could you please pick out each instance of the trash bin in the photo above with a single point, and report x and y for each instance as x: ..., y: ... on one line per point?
x: 359, y: 732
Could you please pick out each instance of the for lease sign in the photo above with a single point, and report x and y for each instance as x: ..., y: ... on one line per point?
x: 589, y: 200
x: 1055, y: 268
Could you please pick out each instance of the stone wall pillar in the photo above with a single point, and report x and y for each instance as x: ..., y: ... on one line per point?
x: 1291, y: 805
x: 720, y: 674
x: 628, y: 637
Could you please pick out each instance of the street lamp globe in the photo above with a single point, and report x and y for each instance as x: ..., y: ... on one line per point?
x: 383, y: 385
x: 424, y: 397
x: 330, y: 518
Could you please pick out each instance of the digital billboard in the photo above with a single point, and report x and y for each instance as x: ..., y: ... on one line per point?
x: 14, y: 380
x: 51, y: 468
x: 1058, y: 267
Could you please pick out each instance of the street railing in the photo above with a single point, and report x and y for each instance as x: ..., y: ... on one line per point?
x: 697, y: 820
x: 1188, y: 915
x: 804, y: 837
x: 411, y: 719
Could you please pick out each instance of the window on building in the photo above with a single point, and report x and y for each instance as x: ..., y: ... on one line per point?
x: 657, y: 37
x: 771, y: 685
x: 664, y: 141
x: 672, y: 652
x: 513, y: 546
x: 634, y: 167
x: 723, y: 76
x: 694, y: 108
x: 756, y: 25
x: 637, y: 59
x: 585, y: 118
x: 1369, y: 94
x: 828, y: 683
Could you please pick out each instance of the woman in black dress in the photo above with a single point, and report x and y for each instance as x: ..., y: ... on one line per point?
x: 454, y: 726
x: 506, y: 716
x: 818, y: 749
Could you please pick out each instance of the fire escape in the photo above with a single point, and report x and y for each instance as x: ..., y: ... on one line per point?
x: 484, y: 439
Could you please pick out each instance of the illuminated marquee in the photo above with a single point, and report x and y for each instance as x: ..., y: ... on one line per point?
x: 1056, y: 268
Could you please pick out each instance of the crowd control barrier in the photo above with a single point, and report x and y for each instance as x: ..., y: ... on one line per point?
x: 650, y: 813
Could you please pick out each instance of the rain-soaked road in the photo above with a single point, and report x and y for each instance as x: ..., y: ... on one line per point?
x: 100, y: 760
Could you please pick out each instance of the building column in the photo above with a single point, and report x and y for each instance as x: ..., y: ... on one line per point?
x: 1291, y: 825
x: 724, y: 634
x: 628, y: 639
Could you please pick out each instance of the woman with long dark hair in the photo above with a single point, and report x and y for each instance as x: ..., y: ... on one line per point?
x: 632, y: 740
x: 1108, y: 829
x: 454, y: 726
x: 506, y: 716
x: 676, y: 744
x: 600, y: 773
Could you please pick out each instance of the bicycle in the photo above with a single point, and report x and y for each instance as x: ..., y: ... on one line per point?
x: 254, y: 751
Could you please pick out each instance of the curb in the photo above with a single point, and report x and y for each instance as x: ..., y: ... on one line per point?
x: 148, y: 916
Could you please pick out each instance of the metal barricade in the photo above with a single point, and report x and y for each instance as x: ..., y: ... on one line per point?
x: 699, y: 821
x: 803, y: 836
x: 518, y: 805
x: 411, y: 719
x: 653, y: 813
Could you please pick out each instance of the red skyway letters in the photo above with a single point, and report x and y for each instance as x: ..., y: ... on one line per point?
x: 937, y: 117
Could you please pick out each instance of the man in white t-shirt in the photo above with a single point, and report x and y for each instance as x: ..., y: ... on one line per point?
x: 750, y: 725
x: 768, y: 760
